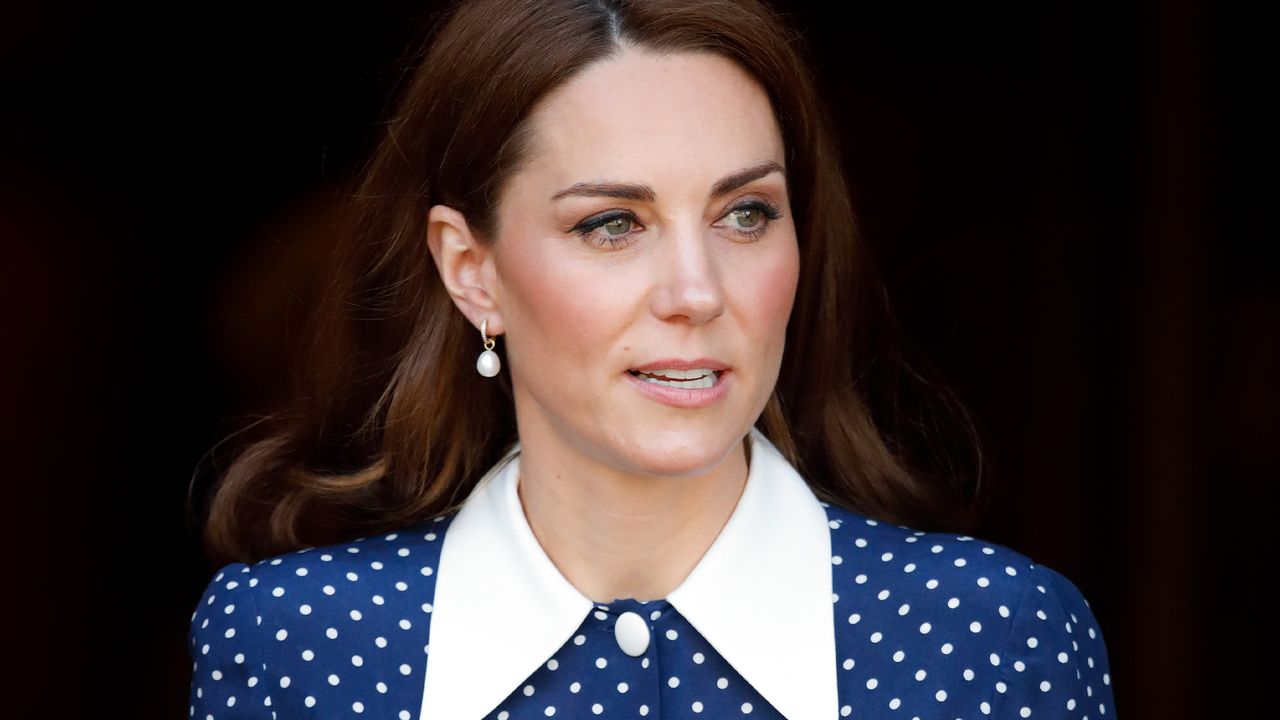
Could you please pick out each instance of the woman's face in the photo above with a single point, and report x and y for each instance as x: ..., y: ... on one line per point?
x: 676, y: 271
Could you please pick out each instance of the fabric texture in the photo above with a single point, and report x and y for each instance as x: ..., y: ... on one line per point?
x: 926, y: 625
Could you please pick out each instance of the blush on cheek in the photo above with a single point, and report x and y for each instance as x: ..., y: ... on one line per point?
x: 774, y: 292
x: 562, y: 312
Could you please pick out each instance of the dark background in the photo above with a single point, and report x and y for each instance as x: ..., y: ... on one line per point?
x: 1066, y: 199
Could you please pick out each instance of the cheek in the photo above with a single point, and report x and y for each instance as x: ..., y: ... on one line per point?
x: 769, y: 293
x: 560, y: 311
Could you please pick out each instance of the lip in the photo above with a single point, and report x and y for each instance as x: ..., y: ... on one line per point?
x: 683, y: 397
x: 679, y: 364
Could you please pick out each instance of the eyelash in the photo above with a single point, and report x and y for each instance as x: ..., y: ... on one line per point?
x: 588, y: 228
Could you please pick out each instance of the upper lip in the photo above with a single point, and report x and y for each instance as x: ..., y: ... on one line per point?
x: 679, y: 364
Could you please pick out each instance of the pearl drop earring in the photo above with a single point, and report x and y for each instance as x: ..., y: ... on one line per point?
x: 488, y: 364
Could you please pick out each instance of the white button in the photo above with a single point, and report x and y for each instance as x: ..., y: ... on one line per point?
x: 632, y: 634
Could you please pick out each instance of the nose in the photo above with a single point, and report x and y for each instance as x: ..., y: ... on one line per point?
x: 689, y: 284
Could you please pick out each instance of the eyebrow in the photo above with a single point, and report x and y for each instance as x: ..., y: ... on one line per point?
x: 644, y: 193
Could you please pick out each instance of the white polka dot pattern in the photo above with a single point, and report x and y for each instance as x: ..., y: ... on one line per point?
x: 939, y: 625
x: 928, y: 625
x: 332, y: 632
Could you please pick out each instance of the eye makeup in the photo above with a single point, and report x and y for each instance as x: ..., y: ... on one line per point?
x: 589, y: 229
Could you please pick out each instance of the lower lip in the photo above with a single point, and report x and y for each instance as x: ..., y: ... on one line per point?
x: 682, y: 397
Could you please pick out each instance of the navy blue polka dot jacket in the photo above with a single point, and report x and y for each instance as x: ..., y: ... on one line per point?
x: 799, y: 610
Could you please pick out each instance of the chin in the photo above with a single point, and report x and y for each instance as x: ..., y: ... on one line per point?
x: 677, y: 454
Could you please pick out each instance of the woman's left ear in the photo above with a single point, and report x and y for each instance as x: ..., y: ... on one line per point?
x: 465, y: 267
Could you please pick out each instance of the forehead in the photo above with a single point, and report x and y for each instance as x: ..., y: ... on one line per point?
x: 643, y: 117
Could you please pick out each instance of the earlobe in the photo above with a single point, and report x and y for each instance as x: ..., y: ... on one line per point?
x: 463, y: 265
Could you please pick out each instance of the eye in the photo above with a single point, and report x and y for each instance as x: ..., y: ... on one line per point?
x: 753, y: 218
x: 617, y: 226
x: 753, y: 214
x: 607, y: 230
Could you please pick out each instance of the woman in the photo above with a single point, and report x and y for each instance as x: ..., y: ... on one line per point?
x: 672, y: 490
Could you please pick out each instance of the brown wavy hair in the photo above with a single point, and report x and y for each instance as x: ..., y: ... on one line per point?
x: 388, y: 422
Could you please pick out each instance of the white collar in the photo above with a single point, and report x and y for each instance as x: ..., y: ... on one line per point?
x: 502, y: 608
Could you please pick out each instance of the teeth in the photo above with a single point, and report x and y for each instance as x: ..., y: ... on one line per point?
x: 671, y: 374
x: 695, y: 379
x: 704, y: 382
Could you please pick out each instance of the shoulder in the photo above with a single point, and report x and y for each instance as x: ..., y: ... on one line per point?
x: 400, y: 561
x: 899, y: 579
x: 309, y: 618
x: 926, y: 560
x: 897, y: 562
x: 404, y: 556
x: 950, y: 605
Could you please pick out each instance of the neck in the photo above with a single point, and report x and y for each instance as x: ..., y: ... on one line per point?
x: 615, y: 535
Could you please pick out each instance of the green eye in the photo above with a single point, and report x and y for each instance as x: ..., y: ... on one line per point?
x: 746, y: 212
x: 615, y: 228
x: 614, y: 224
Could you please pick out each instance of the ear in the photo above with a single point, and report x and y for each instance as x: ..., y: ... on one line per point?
x: 465, y: 266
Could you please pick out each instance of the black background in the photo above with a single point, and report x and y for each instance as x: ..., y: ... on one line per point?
x: 1066, y: 199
